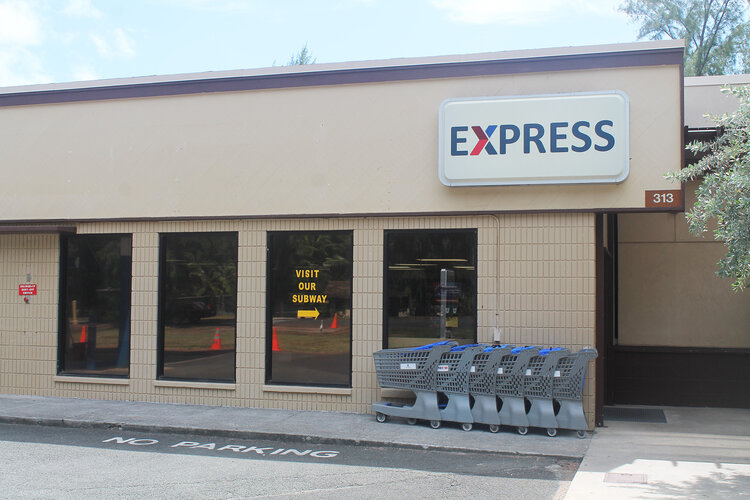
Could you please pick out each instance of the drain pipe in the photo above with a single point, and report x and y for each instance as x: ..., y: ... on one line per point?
x: 498, y: 331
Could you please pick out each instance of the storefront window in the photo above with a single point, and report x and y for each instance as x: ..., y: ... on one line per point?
x: 95, y: 279
x: 430, y: 287
x: 309, y: 308
x: 198, y: 306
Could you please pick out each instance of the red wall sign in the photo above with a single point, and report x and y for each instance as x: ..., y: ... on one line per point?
x: 27, y: 289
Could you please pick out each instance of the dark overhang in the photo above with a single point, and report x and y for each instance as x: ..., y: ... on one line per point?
x: 705, y: 135
x: 41, y: 228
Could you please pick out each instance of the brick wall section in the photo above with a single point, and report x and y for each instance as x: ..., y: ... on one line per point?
x: 28, y: 332
x: 547, y: 284
x: 536, y: 284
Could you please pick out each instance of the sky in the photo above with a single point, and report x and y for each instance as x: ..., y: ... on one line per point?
x: 50, y: 41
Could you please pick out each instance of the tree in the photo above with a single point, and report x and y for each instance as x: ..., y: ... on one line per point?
x: 304, y: 56
x: 715, y: 32
x: 724, y: 193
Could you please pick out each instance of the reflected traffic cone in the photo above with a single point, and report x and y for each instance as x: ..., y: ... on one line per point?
x: 275, y: 342
x: 335, y: 322
x: 83, y: 338
x: 217, y: 341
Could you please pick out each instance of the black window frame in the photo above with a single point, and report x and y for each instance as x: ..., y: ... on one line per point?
x: 62, y: 315
x: 161, y: 309
x: 386, y: 302
x: 269, y: 311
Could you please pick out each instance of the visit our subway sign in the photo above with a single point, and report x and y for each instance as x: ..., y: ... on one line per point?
x: 540, y: 139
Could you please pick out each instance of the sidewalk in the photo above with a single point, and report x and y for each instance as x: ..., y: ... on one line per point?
x: 697, y: 453
x: 248, y: 423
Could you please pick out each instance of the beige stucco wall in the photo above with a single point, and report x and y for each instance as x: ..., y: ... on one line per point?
x: 703, y: 96
x: 669, y: 294
x: 325, y: 150
x: 536, y: 284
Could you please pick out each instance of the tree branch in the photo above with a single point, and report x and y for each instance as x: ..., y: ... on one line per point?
x: 714, y: 34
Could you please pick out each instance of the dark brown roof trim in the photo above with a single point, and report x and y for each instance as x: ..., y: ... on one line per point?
x: 566, y: 62
x: 10, y: 229
x: 349, y: 215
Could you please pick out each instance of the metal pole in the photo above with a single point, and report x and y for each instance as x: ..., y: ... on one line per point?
x: 443, y: 300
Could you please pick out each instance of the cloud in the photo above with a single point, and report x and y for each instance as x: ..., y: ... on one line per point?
x: 20, y: 67
x: 520, y: 12
x: 81, y: 73
x: 20, y: 30
x: 102, y: 47
x: 117, y: 45
x: 125, y: 45
x: 82, y: 8
x: 215, y: 5
x: 19, y: 25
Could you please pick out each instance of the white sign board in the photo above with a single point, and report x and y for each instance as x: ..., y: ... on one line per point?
x: 545, y: 139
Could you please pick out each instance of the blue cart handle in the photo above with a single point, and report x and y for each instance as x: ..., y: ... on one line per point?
x: 544, y: 352
x: 516, y: 350
x: 459, y: 348
x: 430, y: 346
x: 493, y: 347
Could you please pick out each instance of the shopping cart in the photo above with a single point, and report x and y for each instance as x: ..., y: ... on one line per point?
x: 509, y: 387
x: 567, y: 390
x: 538, y: 388
x: 482, y: 385
x: 413, y: 369
x: 453, y: 382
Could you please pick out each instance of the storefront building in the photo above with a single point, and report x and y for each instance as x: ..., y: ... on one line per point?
x: 251, y: 238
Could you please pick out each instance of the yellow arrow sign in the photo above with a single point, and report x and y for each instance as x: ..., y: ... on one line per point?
x: 308, y: 314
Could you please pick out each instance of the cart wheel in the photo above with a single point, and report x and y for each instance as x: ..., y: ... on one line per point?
x: 581, y: 434
x: 467, y: 427
x: 552, y: 432
x: 381, y: 417
x: 522, y: 430
x: 411, y: 421
x: 435, y: 424
x: 494, y: 428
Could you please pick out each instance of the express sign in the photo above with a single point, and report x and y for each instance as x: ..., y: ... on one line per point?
x: 549, y: 139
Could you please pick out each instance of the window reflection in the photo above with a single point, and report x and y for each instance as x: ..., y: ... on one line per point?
x: 309, y: 301
x: 198, y: 306
x: 430, y: 287
x: 95, y: 313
